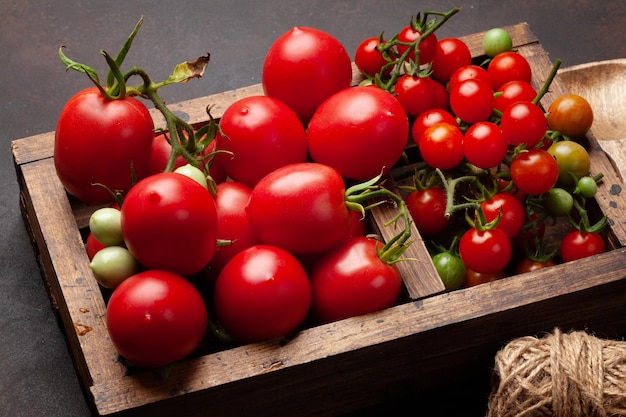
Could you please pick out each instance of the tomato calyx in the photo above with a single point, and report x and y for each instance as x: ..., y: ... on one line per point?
x: 583, y: 223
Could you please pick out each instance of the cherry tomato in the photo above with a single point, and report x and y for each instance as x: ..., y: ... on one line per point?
x: 92, y: 246
x: 169, y: 221
x: 523, y: 123
x: 416, y: 94
x: 352, y: 280
x: 429, y: 118
x: 428, y: 210
x: 100, y: 141
x: 106, y: 226
x: 451, y: 54
x: 262, y: 293
x: 570, y: 115
x: 451, y: 270
x: 156, y: 318
x: 587, y: 186
x: 534, y: 172
x: 360, y: 131
x: 509, y: 66
x: 473, y: 278
x: 441, y: 146
x: 513, y: 214
x: 300, y: 208
x: 472, y: 100
x: 512, y: 92
x: 496, y: 41
x: 469, y: 72
x: 259, y: 134
x: 442, y: 98
x: 485, y: 251
x: 532, y: 265
x: 427, y: 47
x: 571, y: 158
x: 368, y: 59
x: 557, y: 202
x: 577, y: 245
x: 484, y: 145
x: 112, y: 265
x: 304, y: 67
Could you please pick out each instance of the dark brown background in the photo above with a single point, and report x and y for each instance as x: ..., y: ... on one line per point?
x: 36, y: 373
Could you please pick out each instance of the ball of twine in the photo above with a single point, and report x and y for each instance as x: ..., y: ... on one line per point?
x: 561, y: 375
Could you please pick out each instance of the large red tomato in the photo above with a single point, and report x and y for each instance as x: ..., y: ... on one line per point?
x: 99, y: 141
x: 169, y: 221
x: 359, y: 131
x: 304, y: 67
x: 155, y: 318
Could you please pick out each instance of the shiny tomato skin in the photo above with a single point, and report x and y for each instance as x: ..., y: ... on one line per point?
x: 427, y: 47
x: 534, y: 172
x: 485, y: 251
x: 523, y: 122
x: 451, y: 54
x: 429, y: 118
x: 509, y: 66
x: 169, y: 221
x: 472, y: 100
x: 352, y: 280
x: 428, y: 210
x: 255, y: 126
x: 368, y: 59
x: 441, y: 146
x: 98, y: 141
x: 571, y: 158
x: 262, y: 293
x: 513, y: 214
x: 532, y: 265
x: 92, y: 246
x: 300, y: 208
x: 512, y: 92
x: 473, y: 278
x: 570, y: 115
x: 305, y: 66
x: 155, y: 318
x: 577, y: 245
x: 468, y: 72
x: 360, y: 131
x: 416, y: 94
x: 484, y: 145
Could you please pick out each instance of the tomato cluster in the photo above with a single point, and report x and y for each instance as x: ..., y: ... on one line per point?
x: 255, y: 226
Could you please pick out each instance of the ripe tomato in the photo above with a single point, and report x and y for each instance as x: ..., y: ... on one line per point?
x: 360, y: 131
x: 428, y: 210
x: 429, y: 118
x: 485, y: 251
x: 484, y: 145
x: 300, y: 208
x: 101, y: 141
x: 416, y: 94
x: 261, y: 134
x: 231, y: 199
x: 512, y: 92
x: 427, y: 47
x: 441, y: 146
x: 523, y: 123
x: 577, y: 245
x: 469, y: 72
x: 571, y: 158
x: 304, y: 67
x: 368, y: 59
x: 472, y: 100
x: 451, y: 54
x: 169, y: 221
x: 534, y: 172
x: 473, y: 278
x: 156, y: 318
x: 509, y: 66
x: 570, y: 115
x: 531, y: 265
x: 262, y: 293
x: 92, y: 246
x: 352, y: 280
x: 442, y: 98
x: 513, y: 213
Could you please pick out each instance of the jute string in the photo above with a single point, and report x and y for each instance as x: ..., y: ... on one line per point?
x: 560, y: 375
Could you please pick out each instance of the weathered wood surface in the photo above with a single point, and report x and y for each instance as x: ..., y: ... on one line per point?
x: 328, y: 369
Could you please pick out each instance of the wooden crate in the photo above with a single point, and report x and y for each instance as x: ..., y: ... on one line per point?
x: 334, y: 368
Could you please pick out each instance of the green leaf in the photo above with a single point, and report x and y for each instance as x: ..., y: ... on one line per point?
x: 77, y: 66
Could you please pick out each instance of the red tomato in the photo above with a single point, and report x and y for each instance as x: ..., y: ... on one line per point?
x: 523, y: 123
x: 531, y: 265
x: 360, y: 131
x: 509, y: 66
x: 255, y: 126
x: 441, y: 146
x: 169, y: 221
x: 570, y: 115
x: 427, y: 47
x: 473, y: 278
x: 416, y: 94
x: 451, y: 54
x: 304, y: 67
x: 469, y: 72
x: 484, y: 145
x: 429, y: 118
x: 513, y: 213
x: 535, y: 171
x: 485, y: 251
x: 442, y: 98
x: 368, y: 59
x: 101, y: 141
x: 352, y: 280
x: 577, y: 245
x: 262, y: 293
x: 155, y: 318
x: 300, y: 208
x: 231, y: 199
x: 512, y: 92
x: 472, y: 100
x: 92, y: 246
x: 428, y: 210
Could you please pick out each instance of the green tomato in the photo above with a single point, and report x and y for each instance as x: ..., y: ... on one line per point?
x: 496, y: 41
x: 572, y: 158
x: 106, y: 226
x: 451, y: 270
x: 587, y: 187
x: 558, y: 202
x: 112, y: 265
x: 193, y: 173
